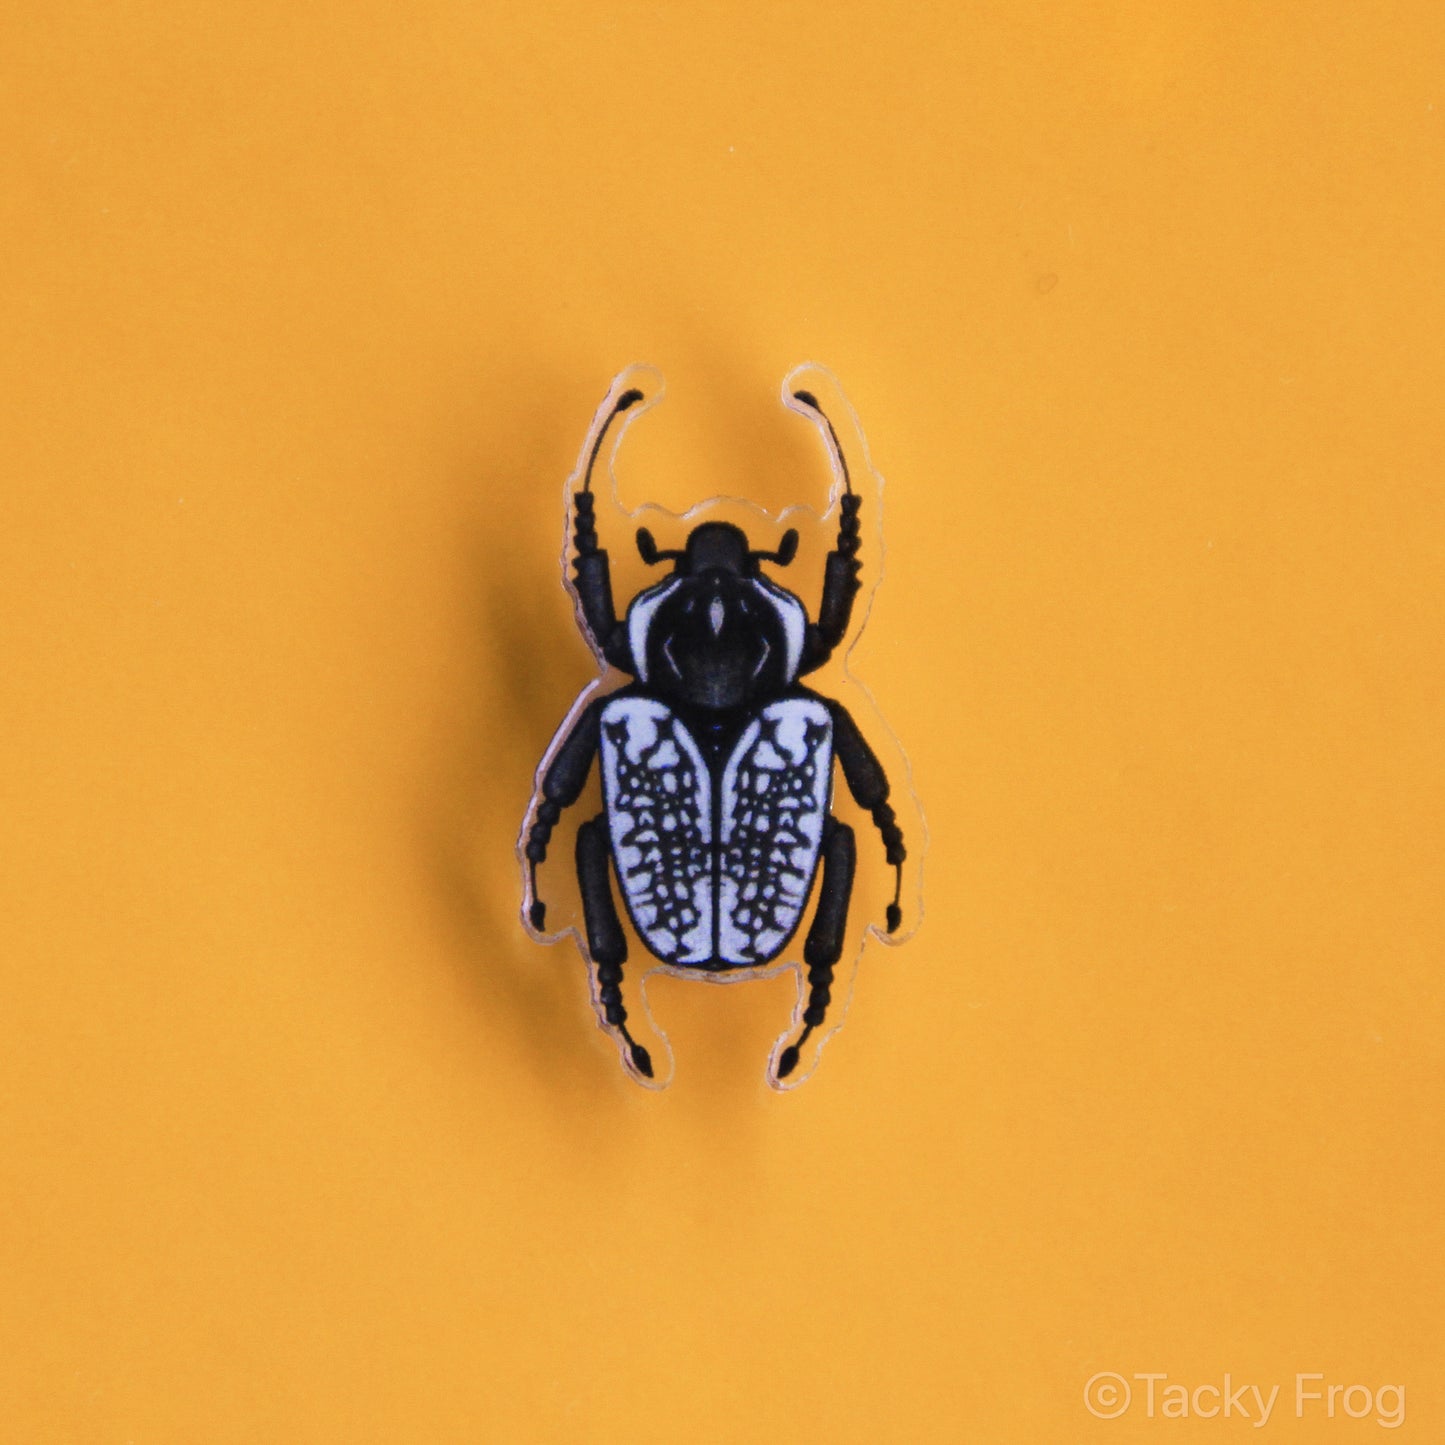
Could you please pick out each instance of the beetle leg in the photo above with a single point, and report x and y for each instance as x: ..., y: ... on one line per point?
x: 564, y: 780
x: 590, y: 566
x: 840, y: 574
x: 825, y: 938
x: 606, y: 941
x: 593, y: 580
x: 869, y: 785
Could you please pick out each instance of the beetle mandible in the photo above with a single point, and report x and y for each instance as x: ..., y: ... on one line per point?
x: 716, y: 761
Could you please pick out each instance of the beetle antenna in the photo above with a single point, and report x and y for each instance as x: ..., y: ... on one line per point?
x: 811, y: 402
x: 647, y: 549
x: 787, y: 550
x: 628, y: 398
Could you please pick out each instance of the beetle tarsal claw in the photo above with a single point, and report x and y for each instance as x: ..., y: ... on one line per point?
x: 788, y: 1061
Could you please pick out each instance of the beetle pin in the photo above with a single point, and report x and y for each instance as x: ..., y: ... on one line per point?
x: 716, y: 761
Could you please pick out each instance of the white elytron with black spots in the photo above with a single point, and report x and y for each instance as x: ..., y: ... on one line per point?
x: 717, y: 763
x: 725, y: 884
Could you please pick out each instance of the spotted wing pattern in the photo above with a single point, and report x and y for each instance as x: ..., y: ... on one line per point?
x: 776, y: 791
x: 659, y: 815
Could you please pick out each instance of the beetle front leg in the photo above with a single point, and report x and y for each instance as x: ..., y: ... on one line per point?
x: 840, y: 587
x: 593, y: 573
x: 564, y: 780
x: 840, y: 572
x: 593, y: 580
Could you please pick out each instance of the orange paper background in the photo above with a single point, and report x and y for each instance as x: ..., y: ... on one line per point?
x: 305, y: 313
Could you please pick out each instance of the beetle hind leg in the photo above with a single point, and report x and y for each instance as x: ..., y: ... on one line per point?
x: 824, y: 944
x: 606, y: 942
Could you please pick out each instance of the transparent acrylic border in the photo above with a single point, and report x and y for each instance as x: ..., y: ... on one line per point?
x: 654, y: 390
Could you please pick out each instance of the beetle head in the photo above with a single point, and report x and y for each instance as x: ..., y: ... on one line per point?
x: 717, y: 633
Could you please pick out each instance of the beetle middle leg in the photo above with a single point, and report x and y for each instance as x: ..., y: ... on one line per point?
x: 606, y: 942
x: 824, y: 944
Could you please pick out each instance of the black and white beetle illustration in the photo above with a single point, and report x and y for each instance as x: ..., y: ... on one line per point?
x: 717, y: 762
